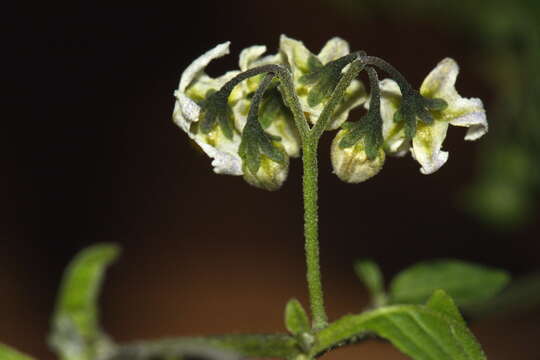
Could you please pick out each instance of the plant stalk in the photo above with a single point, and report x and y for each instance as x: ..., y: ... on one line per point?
x: 311, y: 232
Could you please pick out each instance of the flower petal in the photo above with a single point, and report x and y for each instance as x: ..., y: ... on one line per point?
x: 469, y: 113
x: 250, y: 55
x: 395, y: 141
x: 427, y: 143
x: 196, y: 67
x: 334, y: 49
x: 441, y: 81
x: 296, y: 54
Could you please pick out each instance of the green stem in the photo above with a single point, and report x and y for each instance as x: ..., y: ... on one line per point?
x: 311, y: 232
x: 251, y: 345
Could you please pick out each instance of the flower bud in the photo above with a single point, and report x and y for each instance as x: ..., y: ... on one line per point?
x: 270, y: 175
x: 352, y: 164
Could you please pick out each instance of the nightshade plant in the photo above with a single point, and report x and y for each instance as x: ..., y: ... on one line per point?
x: 251, y: 122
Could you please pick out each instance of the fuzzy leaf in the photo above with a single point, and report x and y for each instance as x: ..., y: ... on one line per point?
x: 443, y: 303
x: 76, y: 333
x: 467, y: 283
x: 296, y: 319
x: 8, y: 353
x: 422, y: 332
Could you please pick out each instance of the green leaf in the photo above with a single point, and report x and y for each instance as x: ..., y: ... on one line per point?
x: 8, y: 353
x: 443, y: 303
x: 76, y: 333
x: 519, y: 297
x: 370, y: 274
x: 422, y: 332
x: 296, y: 319
x: 466, y: 283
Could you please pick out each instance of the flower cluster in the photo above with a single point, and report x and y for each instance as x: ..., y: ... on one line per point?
x: 243, y: 123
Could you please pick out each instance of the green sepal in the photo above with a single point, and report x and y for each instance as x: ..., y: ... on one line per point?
x: 468, y: 284
x: 255, y: 143
x: 272, y: 107
x: 369, y: 128
x: 296, y: 319
x: 324, y: 80
x: 314, y: 63
x: 76, y: 333
x: 8, y: 353
x: 215, y: 109
x: 370, y: 274
x: 435, y: 104
x: 413, y: 106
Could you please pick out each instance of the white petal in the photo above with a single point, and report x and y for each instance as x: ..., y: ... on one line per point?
x: 196, y: 67
x: 188, y: 107
x: 296, y: 54
x: 395, y: 141
x: 225, y: 154
x: 334, y: 49
x: 472, y: 115
x: 441, y: 81
x: 427, y: 144
x: 185, y: 111
x: 250, y: 55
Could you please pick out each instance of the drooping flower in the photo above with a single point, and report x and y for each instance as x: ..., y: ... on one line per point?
x: 427, y: 141
x: 193, y: 89
x: 351, y: 164
x: 314, y: 83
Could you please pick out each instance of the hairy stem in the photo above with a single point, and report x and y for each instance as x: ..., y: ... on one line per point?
x: 404, y: 85
x: 252, y: 345
x: 311, y: 233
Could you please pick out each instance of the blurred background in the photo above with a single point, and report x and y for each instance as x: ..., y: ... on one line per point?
x: 98, y: 159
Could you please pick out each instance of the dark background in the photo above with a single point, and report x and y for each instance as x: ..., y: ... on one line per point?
x: 93, y: 156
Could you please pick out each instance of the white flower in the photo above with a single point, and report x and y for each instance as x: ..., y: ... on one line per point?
x: 427, y: 142
x: 194, y: 85
x: 351, y: 164
x: 301, y: 62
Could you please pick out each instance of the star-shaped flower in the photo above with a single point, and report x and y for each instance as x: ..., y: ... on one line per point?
x: 427, y: 141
